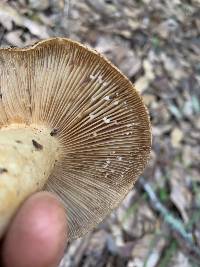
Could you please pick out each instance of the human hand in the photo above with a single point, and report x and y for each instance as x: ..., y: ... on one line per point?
x: 37, y: 236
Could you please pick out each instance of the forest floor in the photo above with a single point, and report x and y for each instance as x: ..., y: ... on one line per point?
x: 157, y: 45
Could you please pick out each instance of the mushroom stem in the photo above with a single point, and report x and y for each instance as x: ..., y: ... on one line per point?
x: 27, y: 158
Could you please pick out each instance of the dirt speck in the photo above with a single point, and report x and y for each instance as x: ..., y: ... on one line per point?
x: 37, y: 145
x: 54, y: 132
x: 3, y: 170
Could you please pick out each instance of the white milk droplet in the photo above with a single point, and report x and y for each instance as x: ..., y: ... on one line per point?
x: 106, y: 120
x: 92, y: 77
x: 100, y: 79
x: 92, y: 116
x: 93, y: 98
x: 105, y: 83
x: 107, y: 98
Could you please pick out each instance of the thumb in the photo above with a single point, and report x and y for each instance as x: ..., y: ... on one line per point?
x: 37, y: 235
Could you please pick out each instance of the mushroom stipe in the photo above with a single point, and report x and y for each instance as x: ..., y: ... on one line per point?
x: 70, y: 123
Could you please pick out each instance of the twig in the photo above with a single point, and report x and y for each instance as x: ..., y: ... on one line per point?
x: 174, y: 223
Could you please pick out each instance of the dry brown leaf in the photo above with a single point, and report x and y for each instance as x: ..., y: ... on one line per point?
x: 126, y: 59
x: 142, y: 84
x: 148, y: 67
x: 180, y: 194
x: 134, y: 24
x: 176, y: 137
x: 136, y: 219
x: 172, y: 66
x: 166, y: 27
x: 13, y: 38
x: 148, y: 99
x: 10, y: 15
x: 144, y: 253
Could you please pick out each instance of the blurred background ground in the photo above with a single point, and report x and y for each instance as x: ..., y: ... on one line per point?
x: 157, y: 45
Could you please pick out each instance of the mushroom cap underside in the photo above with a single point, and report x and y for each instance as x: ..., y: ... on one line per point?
x: 97, y: 115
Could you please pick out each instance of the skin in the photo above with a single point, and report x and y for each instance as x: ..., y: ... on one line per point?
x: 38, y: 234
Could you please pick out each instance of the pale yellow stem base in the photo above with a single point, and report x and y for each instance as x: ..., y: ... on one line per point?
x: 27, y: 158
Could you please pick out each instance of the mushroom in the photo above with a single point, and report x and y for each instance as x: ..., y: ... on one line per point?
x: 70, y: 123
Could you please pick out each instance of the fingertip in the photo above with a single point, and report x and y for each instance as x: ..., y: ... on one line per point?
x: 37, y: 236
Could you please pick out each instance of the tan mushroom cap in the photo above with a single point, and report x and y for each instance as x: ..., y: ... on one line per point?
x: 95, y: 113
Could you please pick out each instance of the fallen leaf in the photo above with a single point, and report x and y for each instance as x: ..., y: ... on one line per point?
x: 166, y: 27
x: 176, y: 137
x: 10, y: 14
x: 136, y: 219
x: 144, y: 253
x: 148, y: 68
x: 13, y: 38
x: 180, y: 194
x: 142, y: 84
x: 124, y: 58
x: 148, y: 99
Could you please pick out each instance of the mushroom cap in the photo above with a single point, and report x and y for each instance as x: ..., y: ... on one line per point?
x: 97, y: 115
